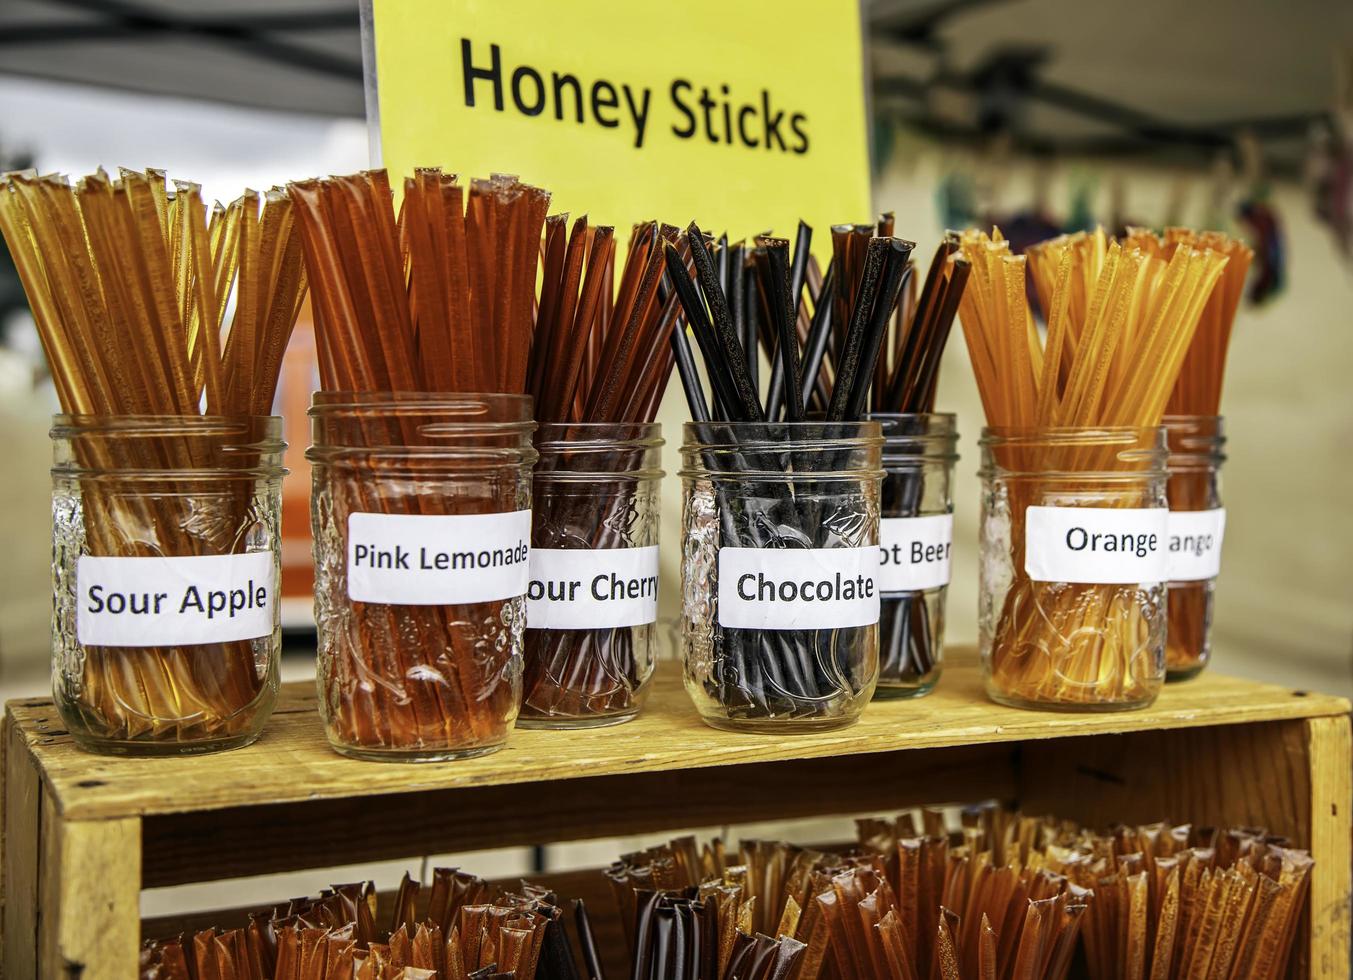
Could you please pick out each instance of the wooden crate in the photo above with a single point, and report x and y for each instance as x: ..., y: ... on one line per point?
x: 83, y: 834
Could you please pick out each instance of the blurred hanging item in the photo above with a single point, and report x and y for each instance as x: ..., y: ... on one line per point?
x: 1258, y: 216
x: 1261, y: 221
x: 956, y: 199
x: 167, y: 461
x: 1080, y: 212
x: 1329, y: 173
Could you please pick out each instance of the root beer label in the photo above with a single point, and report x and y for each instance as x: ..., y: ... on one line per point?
x: 915, y: 552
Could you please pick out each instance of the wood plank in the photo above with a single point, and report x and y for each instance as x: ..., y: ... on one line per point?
x: 1231, y: 775
x: 1330, y: 749
x: 292, y: 762
x: 90, y: 894
x: 20, y: 833
x: 252, y: 840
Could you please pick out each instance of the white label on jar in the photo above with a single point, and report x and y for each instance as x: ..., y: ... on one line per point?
x: 798, y: 588
x: 438, y: 559
x: 1096, y: 545
x: 915, y: 552
x: 160, y: 602
x: 575, y: 589
x: 1195, y: 544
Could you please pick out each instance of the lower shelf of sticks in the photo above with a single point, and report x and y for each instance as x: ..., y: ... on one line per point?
x: 1015, y: 806
x: 979, y: 893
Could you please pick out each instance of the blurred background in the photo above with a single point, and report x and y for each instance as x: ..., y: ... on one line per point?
x: 1039, y: 116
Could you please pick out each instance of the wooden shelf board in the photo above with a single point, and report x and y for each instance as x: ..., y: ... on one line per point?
x: 292, y: 762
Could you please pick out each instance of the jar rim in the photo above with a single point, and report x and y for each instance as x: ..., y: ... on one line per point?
x: 796, y: 435
x: 1167, y: 420
x: 1005, y: 450
x: 950, y: 417
x: 600, y: 435
x: 324, y: 402
x: 65, y: 424
x: 992, y: 434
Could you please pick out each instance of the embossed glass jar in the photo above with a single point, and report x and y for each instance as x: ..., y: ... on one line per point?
x: 780, y: 556
x: 915, y: 536
x: 1071, y: 612
x: 165, y: 563
x: 1197, y: 522
x: 591, y: 634
x: 420, y: 513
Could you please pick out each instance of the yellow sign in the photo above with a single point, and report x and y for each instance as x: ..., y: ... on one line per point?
x: 744, y: 115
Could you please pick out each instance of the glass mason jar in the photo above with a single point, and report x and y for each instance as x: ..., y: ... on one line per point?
x: 915, y: 536
x: 1071, y: 608
x: 780, y: 603
x: 420, y: 514
x: 1197, y: 523
x: 592, y: 606
x: 166, y: 557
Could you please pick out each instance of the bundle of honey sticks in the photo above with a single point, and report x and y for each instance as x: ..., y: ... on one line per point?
x: 1195, y: 401
x: 1178, y: 902
x: 460, y: 928
x: 598, y: 356
x: 821, y: 334
x: 900, y: 907
x: 129, y: 281
x: 436, y: 300
x: 701, y: 912
x: 439, y: 298
x: 442, y: 298
x: 1120, y: 319
x: 905, y: 381
x: 783, y: 674
x: 1155, y: 901
x: 1000, y: 895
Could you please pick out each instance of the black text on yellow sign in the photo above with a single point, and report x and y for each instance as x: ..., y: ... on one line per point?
x: 688, y: 110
